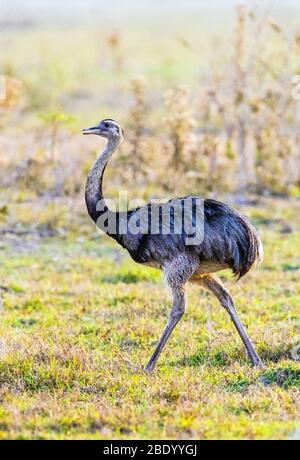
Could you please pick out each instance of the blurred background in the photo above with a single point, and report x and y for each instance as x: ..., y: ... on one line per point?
x: 203, y: 91
x: 207, y: 95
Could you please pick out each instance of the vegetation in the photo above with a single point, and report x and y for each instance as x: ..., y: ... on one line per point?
x: 202, y: 113
x: 80, y: 319
x: 237, y: 119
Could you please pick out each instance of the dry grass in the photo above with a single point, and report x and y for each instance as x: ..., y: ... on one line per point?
x: 236, y: 123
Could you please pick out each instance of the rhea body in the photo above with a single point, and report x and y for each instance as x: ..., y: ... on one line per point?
x: 229, y: 241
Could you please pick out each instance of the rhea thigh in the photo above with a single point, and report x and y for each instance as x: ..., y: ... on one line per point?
x: 205, y: 269
x: 180, y: 270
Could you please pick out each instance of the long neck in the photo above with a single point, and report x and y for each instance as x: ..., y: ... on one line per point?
x: 93, y: 190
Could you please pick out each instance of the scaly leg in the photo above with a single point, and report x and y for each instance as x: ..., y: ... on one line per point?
x: 177, y: 273
x: 177, y: 311
x: 213, y: 284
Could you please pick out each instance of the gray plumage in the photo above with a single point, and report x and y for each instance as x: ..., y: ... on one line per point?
x: 229, y: 241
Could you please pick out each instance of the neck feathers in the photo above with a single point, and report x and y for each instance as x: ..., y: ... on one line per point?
x: 93, y: 191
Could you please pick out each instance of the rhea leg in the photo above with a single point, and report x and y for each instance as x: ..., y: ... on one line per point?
x: 177, y: 312
x: 213, y: 284
x: 177, y: 273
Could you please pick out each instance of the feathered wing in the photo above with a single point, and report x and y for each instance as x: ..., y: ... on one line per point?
x: 229, y: 240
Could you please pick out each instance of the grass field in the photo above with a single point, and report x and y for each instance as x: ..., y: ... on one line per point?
x: 79, y: 320
x: 207, y: 98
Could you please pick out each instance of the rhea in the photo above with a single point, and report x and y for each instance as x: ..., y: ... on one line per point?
x: 228, y: 241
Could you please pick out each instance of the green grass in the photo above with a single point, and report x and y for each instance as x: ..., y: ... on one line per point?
x: 79, y: 320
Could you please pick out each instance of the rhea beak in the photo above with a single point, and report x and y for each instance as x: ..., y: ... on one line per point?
x: 93, y: 130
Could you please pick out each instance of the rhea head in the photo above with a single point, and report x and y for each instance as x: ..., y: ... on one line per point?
x: 107, y: 128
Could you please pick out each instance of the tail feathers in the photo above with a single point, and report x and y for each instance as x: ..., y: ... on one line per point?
x: 238, y: 243
x: 246, y: 248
